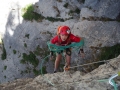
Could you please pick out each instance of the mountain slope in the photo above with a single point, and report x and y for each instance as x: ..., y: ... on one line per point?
x: 95, y: 80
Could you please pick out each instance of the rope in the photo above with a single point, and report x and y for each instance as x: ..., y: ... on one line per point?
x: 89, y: 64
x: 112, y: 82
x: 114, y: 85
x: 42, y: 71
x: 56, y: 48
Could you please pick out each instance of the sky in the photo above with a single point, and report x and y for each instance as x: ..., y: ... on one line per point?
x: 6, y: 6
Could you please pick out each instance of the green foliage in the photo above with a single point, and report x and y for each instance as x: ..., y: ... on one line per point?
x: 27, y: 35
x: 105, y: 19
x: 109, y: 52
x: 48, y: 32
x: 25, y: 45
x: 14, y: 51
x: 44, y: 70
x: 66, y: 5
x: 38, y: 50
x: 25, y: 71
x: 5, y: 67
x: 3, y: 57
x: 28, y: 69
x: 4, y: 76
x: 23, y: 61
x: 105, y: 53
x: 41, y: 51
x: 29, y: 14
x: 31, y: 58
x: 70, y: 12
x: 75, y: 11
x: 36, y: 72
x: 54, y: 19
x: 83, y: 1
x: 21, y: 72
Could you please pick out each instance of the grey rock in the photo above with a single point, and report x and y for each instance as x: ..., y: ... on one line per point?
x: 22, y: 36
x: 101, y: 8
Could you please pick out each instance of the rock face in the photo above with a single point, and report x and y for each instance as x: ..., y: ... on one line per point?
x: 101, y: 8
x: 95, y: 80
x: 23, y: 39
x: 99, y: 33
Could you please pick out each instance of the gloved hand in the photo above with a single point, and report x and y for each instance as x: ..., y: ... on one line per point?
x: 81, y: 53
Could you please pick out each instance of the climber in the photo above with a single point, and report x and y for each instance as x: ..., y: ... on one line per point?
x: 64, y: 37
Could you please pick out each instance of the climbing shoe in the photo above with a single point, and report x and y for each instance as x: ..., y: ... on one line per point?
x: 55, y: 71
x: 66, y: 68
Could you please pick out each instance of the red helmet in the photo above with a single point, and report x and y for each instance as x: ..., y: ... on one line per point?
x: 65, y: 30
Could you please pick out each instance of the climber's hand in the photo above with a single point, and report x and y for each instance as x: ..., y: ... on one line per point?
x: 51, y: 55
x: 81, y: 53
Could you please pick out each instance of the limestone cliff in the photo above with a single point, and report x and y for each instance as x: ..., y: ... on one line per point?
x: 70, y: 80
x: 24, y: 41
